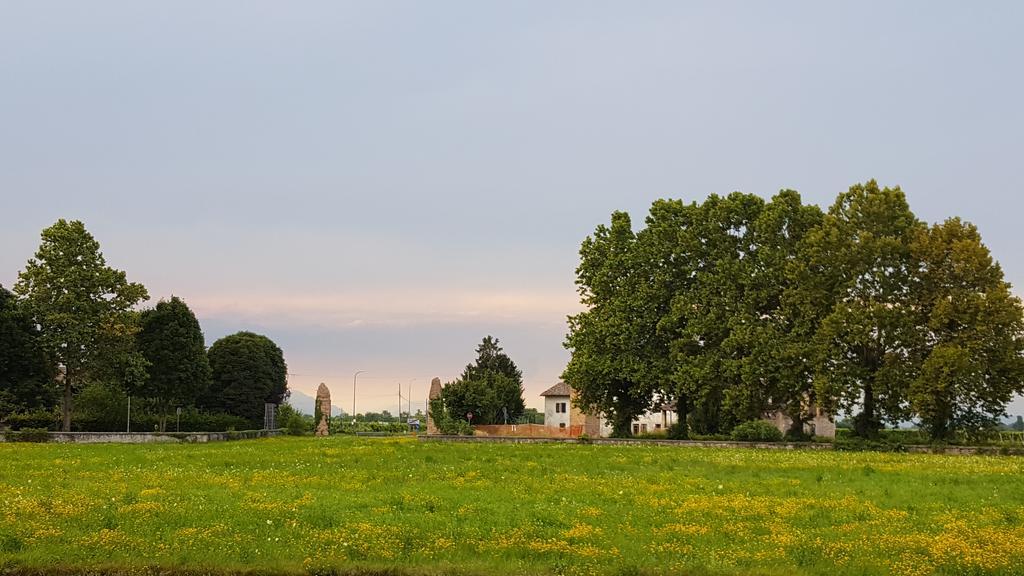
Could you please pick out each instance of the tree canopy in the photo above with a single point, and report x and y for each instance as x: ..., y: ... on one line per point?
x: 26, y: 370
x: 172, y: 344
x: 969, y: 351
x: 82, y: 306
x: 248, y: 371
x: 736, y: 307
x: 491, y: 388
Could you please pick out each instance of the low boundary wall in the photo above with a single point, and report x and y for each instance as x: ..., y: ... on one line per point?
x: 526, y: 431
x: 151, y: 437
x: 915, y: 449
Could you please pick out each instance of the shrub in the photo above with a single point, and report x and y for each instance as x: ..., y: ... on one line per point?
x: 455, y: 426
x: 710, y: 437
x: 344, y: 426
x: 102, y: 407
x: 656, y: 435
x: 445, y: 423
x: 678, y: 432
x: 295, y: 424
x: 30, y: 435
x: 857, y: 444
x: 292, y: 421
x: 212, y: 422
x: 145, y: 421
x: 756, y: 431
x: 39, y: 419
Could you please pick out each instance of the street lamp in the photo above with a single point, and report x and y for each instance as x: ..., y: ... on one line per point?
x: 358, y: 372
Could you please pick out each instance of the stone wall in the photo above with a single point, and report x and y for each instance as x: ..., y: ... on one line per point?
x: 527, y: 430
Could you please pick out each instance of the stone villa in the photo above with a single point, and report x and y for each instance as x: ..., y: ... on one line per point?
x: 561, y: 417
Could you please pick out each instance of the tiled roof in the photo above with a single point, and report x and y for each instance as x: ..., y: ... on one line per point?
x: 560, y: 389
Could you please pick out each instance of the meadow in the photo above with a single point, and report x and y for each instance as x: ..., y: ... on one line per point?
x: 345, y: 505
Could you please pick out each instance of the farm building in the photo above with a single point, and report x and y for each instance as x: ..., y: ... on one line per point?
x: 561, y: 417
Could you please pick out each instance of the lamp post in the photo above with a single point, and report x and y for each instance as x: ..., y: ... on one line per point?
x: 358, y: 372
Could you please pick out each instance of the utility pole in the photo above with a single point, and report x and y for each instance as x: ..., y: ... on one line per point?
x: 358, y: 372
x: 409, y: 412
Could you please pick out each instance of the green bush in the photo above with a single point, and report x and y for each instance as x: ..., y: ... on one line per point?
x: 102, y: 407
x: 295, y: 424
x: 292, y: 421
x: 44, y: 419
x: 30, y: 435
x: 455, y: 427
x: 678, y: 432
x: 756, y: 431
x: 445, y: 423
x: 344, y: 426
x: 858, y: 444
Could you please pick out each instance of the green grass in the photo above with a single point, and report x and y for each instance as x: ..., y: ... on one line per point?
x: 360, y: 506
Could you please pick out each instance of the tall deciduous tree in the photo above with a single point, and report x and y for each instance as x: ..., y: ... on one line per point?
x: 737, y: 307
x: 765, y: 340
x: 972, y: 333
x: 711, y: 347
x: 666, y: 259
x: 26, y: 371
x: 172, y: 343
x: 855, y: 274
x: 248, y: 371
x: 607, y: 368
x: 81, y: 305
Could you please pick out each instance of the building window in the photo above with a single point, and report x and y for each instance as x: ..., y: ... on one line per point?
x: 561, y: 424
x: 657, y: 426
x: 636, y: 428
x: 560, y: 407
x: 643, y: 428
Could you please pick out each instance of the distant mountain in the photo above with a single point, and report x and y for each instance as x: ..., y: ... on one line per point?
x: 305, y: 403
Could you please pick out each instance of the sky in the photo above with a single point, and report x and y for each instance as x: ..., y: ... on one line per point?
x: 379, y: 185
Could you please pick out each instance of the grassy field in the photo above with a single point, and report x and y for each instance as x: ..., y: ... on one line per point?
x: 345, y: 505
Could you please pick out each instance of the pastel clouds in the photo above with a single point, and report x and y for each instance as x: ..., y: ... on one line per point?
x: 392, y: 307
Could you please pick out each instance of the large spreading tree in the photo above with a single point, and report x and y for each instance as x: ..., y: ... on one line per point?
x: 609, y: 341
x: 26, y: 370
x: 248, y: 371
x: 735, y: 308
x: 171, y: 341
x: 82, y: 306
x: 857, y: 269
x: 972, y: 333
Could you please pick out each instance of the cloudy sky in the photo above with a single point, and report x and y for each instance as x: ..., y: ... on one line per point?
x: 378, y: 185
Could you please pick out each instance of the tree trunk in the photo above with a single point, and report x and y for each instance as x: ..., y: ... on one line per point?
x: 682, y: 427
x: 621, y: 425
x: 865, y: 424
x: 797, y: 417
x: 941, y: 425
x: 796, y: 428
x: 66, y: 404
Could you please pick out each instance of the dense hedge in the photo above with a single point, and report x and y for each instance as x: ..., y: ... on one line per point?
x: 191, y: 421
x: 29, y: 435
x: 345, y: 427
x: 905, y: 437
x: 44, y: 419
x: 757, y: 431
